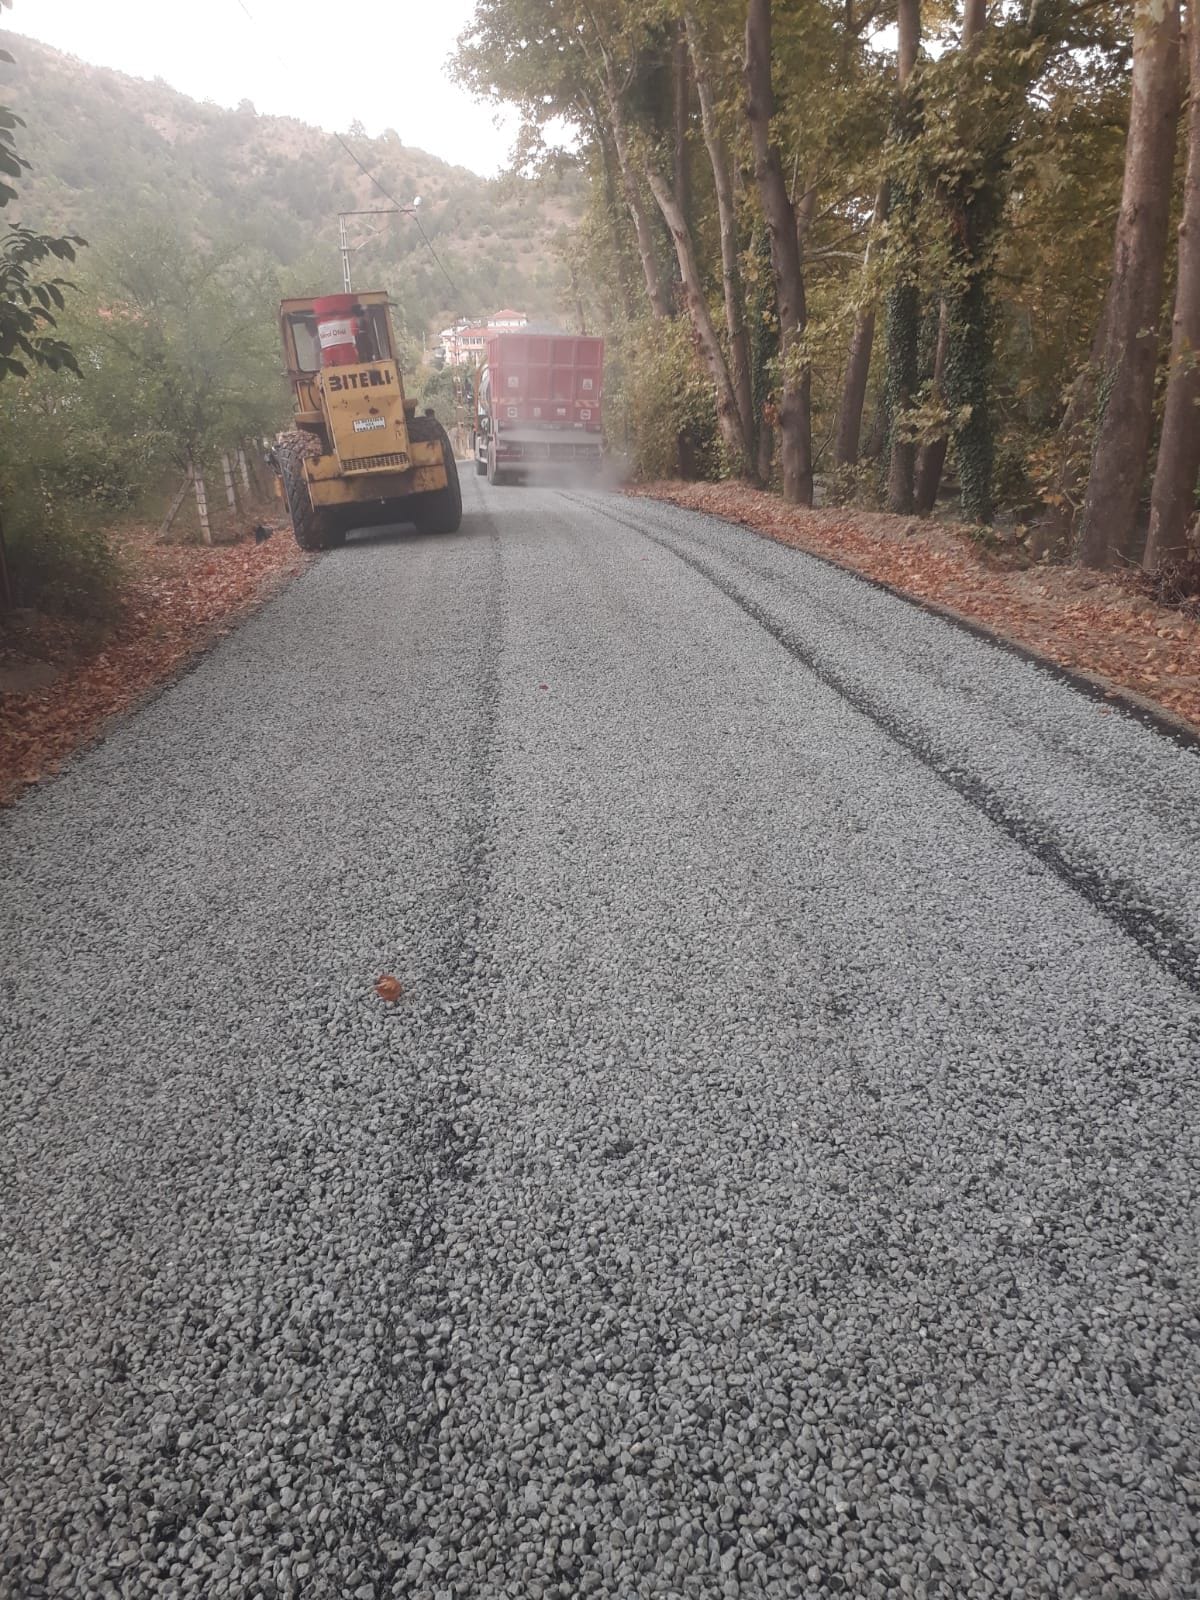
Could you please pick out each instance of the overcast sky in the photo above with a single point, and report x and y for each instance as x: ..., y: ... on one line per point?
x: 382, y: 63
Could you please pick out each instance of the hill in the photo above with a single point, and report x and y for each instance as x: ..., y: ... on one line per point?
x: 107, y: 148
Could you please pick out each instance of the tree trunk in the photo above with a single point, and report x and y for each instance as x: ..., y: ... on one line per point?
x: 626, y: 277
x: 765, y: 460
x: 660, y: 300
x: 877, y: 436
x: 858, y: 359
x: 174, y: 507
x: 973, y: 24
x: 681, y: 97
x: 202, y: 507
x: 903, y: 300
x: 729, y: 419
x: 245, y: 472
x: 795, y: 409
x: 965, y: 337
x: 931, y: 458
x: 1131, y: 353
x: 1172, y: 501
x: 230, y: 490
x: 735, y: 314
x: 903, y: 320
x: 908, y: 42
x: 968, y: 360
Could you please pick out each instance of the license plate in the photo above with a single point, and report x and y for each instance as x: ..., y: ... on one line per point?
x: 369, y: 424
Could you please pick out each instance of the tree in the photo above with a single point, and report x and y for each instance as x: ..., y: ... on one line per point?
x: 1135, y: 299
x: 189, y: 339
x: 727, y: 227
x: 1172, y: 501
x: 795, y: 405
x: 730, y: 417
x: 612, y: 91
x: 862, y: 339
x: 903, y: 299
x: 616, y: 74
x: 541, y: 55
x: 862, y: 342
x: 932, y: 455
x: 28, y: 301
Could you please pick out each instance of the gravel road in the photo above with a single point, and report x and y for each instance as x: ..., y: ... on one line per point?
x: 778, y: 1177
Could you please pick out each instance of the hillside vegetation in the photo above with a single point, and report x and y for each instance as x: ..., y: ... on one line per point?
x: 106, y: 150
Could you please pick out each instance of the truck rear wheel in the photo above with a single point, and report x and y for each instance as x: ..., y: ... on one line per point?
x: 315, y: 529
x: 441, y: 511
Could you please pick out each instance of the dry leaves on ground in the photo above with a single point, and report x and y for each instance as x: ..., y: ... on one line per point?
x: 177, y: 599
x: 1107, y: 627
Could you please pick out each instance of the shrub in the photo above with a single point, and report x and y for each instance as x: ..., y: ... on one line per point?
x: 667, y: 403
x: 59, y: 481
x: 57, y: 560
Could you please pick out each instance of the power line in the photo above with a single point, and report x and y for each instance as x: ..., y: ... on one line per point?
x: 454, y: 289
x: 408, y: 211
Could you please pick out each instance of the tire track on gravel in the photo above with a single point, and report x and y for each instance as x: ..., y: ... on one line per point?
x: 1119, y: 899
x: 445, y: 1149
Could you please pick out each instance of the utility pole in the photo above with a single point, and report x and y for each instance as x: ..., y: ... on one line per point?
x: 346, y: 247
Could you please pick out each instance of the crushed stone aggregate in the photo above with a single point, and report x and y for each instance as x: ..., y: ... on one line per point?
x: 777, y: 1177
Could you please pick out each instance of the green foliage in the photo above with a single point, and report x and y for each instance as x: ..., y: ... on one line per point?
x: 71, y: 459
x: 47, y: 557
x: 660, y: 399
x: 29, y: 301
x: 177, y: 361
x: 438, y: 387
x: 185, y: 344
x: 59, y: 558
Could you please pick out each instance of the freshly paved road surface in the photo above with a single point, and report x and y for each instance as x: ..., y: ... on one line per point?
x: 779, y: 1177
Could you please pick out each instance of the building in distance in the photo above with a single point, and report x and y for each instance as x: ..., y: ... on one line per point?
x: 462, y: 344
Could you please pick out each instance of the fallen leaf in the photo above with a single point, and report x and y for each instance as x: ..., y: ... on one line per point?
x: 388, y: 988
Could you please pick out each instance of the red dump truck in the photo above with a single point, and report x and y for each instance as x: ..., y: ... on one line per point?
x: 537, y: 406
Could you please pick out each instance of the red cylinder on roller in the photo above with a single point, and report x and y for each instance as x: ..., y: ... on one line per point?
x: 337, y: 330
